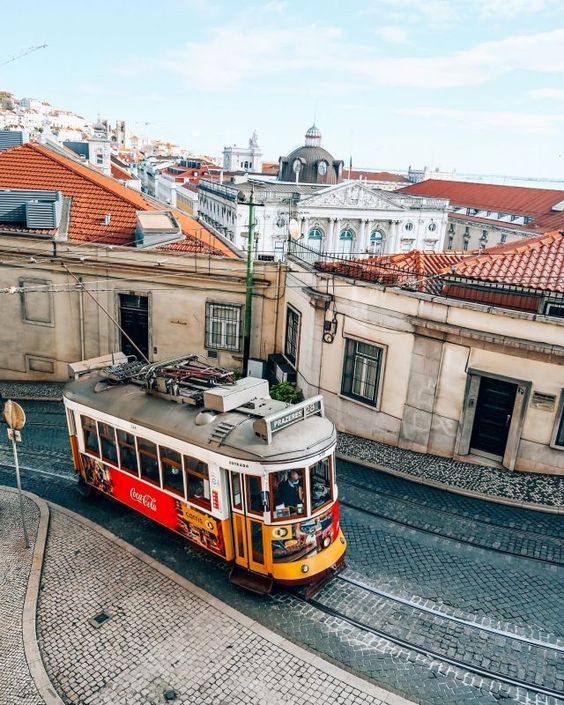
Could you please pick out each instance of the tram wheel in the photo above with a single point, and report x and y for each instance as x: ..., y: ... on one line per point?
x: 84, y: 489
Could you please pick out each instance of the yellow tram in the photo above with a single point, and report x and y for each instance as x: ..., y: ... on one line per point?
x: 215, y: 459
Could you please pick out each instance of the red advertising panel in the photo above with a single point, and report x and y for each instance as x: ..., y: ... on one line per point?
x: 199, y: 527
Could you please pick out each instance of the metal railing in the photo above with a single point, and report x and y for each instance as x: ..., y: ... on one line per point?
x: 311, y: 256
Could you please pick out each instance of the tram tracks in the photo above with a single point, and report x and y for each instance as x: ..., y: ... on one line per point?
x: 521, y: 664
x: 556, y: 544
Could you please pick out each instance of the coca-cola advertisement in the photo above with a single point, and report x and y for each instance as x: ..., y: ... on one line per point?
x: 151, y: 501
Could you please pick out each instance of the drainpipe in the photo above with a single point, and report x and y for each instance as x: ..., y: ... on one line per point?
x: 81, y: 319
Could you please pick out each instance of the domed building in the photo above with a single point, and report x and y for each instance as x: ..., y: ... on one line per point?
x: 311, y: 164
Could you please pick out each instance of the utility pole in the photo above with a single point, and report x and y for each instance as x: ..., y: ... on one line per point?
x: 249, y: 290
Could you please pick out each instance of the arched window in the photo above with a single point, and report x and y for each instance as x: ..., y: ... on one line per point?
x: 314, y: 239
x: 346, y: 241
x: 376, y: 244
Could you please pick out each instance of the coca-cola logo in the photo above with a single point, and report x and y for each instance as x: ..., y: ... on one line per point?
x: 145, y: 499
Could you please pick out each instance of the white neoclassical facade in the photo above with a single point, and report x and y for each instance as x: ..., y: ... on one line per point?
x: 348, y: 218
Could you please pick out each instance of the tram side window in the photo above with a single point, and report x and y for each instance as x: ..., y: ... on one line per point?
x: 108, y: 443
x: 197, y: 477
x: 171, y: 464
x: 254, y: 489
x: 148, y: 460
x: 127, y: 452
x: 320, y: 483
x: 287, y: 488
x: 237, y: 490
x: 90, y: 435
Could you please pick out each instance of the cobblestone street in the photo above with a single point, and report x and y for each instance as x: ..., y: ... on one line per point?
x: 496, y: 569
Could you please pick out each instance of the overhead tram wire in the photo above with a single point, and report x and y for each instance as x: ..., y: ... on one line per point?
x: 107, y: 314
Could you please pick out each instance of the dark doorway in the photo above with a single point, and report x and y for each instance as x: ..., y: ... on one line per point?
x: 134, y: 320
x: 494, y: 410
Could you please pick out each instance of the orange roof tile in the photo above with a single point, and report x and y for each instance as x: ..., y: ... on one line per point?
x: 415, y: 268
x: 533, y: 263
x: 93, y: 195
x: 515, y: 200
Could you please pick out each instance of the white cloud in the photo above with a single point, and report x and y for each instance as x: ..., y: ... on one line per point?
x: 507, y: 9
x: 229, y: 58
x: 547, y: 93
x: 531, y: 123
x: 434, y: 12
x: 393, y: 34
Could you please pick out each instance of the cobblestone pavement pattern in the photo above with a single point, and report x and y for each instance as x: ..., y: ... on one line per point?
x: 159, y: 636
x: 16, y: 684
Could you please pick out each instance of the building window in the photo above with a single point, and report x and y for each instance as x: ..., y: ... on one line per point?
x: 292, y: 335
x: 406, y: 245
x: 361, y: 371
x: 100, y: 159
x: 376, y: 242
x: 346, y: 241
x: 314, y: 239
x: 553, y: 308
x: 503, y: 238
x: 558, y: 435
x: 450, y: 241
x: 432, y: 227
x: 223, y: 326
x: 408, y: 226
x: 37, y: 302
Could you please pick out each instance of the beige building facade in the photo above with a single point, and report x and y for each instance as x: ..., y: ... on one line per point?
x: 79, y: 301
x: 427, y: 373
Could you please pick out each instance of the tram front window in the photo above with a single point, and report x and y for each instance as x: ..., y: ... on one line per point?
x: 320, y: 483
x: 287, y: 488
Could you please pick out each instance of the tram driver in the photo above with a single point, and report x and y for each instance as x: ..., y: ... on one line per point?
x: 288, y: 497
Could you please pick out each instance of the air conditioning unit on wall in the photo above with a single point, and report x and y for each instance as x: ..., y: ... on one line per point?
x: 280, y: 370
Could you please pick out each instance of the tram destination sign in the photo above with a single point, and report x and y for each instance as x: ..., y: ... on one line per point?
x: 267, y: 427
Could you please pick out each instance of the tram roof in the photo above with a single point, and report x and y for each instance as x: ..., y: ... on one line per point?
x: 132, y: 403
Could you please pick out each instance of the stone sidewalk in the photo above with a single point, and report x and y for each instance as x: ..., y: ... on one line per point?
x: 110, y: 624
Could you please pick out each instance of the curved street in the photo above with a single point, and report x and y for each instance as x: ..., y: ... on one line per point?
x: 446, y: 598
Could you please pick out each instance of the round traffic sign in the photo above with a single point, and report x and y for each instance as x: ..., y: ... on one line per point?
x: 14, y: 415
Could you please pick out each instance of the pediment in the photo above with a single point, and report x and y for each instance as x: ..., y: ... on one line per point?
x: 351, y: 195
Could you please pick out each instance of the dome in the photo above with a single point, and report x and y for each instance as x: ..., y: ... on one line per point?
x: 313, y: 132
x: 310, y: 164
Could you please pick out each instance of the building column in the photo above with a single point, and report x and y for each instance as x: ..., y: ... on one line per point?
x: 362, y: 245
x: 330, y: 235
x: 336, y: 234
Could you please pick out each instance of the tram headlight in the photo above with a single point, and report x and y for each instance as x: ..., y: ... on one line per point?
x: 305, y: 568
x: 326, y: 541
x: 280, y: 532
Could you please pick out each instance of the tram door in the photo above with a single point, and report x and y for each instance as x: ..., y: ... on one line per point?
x: 246, y: 503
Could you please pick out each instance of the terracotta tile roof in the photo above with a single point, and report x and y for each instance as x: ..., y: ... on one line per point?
x: 516, y: 200
x: 93, y: 195
x: 415, y: 269
x: 121, y: 174
x: 534, y: 263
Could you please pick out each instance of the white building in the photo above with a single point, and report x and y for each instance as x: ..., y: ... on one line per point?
x: 243, y: 158
x: 417, y: 175
x: 347, y: 218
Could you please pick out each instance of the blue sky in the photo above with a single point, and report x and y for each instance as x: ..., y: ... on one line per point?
x: 475, y: 85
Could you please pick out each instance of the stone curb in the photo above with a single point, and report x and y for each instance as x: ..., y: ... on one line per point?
x: 318, y: 662
x: 29, y: 623
x: 452, y: 488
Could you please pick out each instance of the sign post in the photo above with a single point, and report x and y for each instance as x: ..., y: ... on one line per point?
x: 14, y: 416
